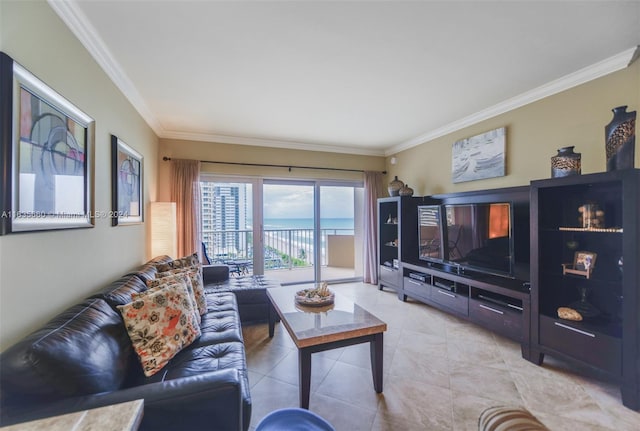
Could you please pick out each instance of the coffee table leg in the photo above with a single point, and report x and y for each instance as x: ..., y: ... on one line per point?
x: 376, y: 348
x: 272, y: 319
x: 304, y: 377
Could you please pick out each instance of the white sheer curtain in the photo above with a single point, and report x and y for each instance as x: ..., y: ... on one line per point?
x: 372, y: 188
x: 185, y: 192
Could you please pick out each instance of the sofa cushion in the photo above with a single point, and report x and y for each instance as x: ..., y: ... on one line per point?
x: 249, y: 289
x: 224, y: 301
x: 83, y: 350
x: 251, y: 293
x: 160, y: 324
x: 147, y: 271
x: 219, y: 327
x: 215, y: 273
x: 196, y: 360
x: 119, y: 292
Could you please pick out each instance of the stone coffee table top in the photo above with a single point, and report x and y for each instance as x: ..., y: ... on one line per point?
x: 309, y: 326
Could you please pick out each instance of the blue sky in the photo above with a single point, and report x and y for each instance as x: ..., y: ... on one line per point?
x: 287, y: 201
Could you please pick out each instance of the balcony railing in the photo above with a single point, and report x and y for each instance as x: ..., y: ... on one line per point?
x: 283, y: 248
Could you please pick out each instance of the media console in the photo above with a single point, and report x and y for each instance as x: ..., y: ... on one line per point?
x: 499, y: 304
x: 433, y: 265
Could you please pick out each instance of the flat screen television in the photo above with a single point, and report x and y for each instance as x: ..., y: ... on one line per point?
x: 478, y: 237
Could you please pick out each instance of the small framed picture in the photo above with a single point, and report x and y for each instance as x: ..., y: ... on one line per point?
x: 584, y: 260
x: 126, y: 184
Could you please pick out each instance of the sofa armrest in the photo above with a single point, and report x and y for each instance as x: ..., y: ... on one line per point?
x: 215, y: 273
x: 211, y: 400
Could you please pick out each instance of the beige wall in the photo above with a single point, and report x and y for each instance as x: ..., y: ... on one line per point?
x: 534, y: 133
x: 42, y: 273
x: 261, y: 155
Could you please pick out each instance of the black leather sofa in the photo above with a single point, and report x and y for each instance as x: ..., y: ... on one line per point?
x: 250, y: 291
x: 83, y: 359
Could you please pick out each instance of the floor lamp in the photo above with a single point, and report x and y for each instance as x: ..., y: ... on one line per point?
x: 164, y: 232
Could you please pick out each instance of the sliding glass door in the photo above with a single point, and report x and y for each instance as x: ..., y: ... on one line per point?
x: 311, y: 231
x: 293, y: 231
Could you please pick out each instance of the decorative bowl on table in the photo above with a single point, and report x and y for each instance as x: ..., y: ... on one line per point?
x: 316, y: 297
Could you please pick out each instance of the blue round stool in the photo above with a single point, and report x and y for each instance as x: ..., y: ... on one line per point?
x: 293, y: 419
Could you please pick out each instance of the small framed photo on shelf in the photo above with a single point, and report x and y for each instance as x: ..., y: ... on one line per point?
x: 584, y: 260
x: 583, y: 263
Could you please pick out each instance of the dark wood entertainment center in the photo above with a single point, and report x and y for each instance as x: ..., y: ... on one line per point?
x: 523, y: 305
x: 500, y: 304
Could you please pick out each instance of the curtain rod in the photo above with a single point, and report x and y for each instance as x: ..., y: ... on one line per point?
x: 278, y: 166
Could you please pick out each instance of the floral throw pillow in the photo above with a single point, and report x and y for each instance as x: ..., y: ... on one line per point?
x: 183, y: 262
x: 195, y: 274
x: 179, y: 278
x: 160, y: 324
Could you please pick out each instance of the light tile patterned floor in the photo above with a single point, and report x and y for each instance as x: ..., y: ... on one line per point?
x: 440, y: 373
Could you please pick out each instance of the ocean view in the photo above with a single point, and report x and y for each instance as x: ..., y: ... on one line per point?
x: 307, y: 223
x: 292, y: 235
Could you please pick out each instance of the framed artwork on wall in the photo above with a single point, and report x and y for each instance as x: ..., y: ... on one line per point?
x: 479, y: 157
x: 126, y: 184
x: 47, y: 146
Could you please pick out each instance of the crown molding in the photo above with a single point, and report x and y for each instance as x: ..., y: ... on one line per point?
x: 260, y: 142
x: 589, y: 73
x: 79, y: 25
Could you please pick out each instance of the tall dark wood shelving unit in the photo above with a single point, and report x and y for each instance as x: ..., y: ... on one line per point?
x: 607, y: 338
x: 397, y: 234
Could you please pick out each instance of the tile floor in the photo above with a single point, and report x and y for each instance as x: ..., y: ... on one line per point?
x: 440, y: 373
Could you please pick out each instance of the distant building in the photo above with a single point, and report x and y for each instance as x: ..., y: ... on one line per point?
x: 224, y: 217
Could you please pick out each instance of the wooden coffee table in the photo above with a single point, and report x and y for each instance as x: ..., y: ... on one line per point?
x: 316, y: 329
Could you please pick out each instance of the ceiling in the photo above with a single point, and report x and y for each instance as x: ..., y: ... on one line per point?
x: 361, y: 77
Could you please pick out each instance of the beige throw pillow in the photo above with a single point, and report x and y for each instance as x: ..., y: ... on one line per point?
x: 160, y: 324
x: 195, y: 275
x: 183, y: 262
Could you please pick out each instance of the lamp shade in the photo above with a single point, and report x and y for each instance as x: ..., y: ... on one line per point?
x: 164, y: 234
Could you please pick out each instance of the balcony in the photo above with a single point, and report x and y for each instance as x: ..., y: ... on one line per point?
x: 288, y: 253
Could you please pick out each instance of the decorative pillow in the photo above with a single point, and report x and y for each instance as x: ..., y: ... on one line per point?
x: 159, y: 325
x: 178, y: 278
x: 195, y: 274
x: 509, y: 418
x: 183, y: 262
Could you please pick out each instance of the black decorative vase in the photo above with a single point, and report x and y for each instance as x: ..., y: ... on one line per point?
x: 621, y: 139
x: 566, y: 163
x: 405, y: 191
